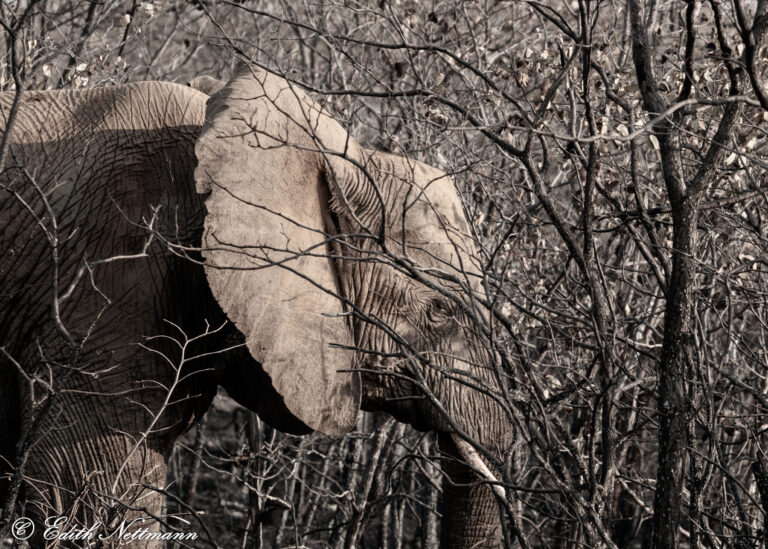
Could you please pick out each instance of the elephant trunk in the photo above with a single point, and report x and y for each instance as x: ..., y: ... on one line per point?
x: 470, y: 508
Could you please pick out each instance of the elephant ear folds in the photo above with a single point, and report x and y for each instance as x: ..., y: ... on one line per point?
x: 266, y: 247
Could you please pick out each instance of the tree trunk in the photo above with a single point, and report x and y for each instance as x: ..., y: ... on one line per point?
x: 431, y: 529
x: 673, y: 405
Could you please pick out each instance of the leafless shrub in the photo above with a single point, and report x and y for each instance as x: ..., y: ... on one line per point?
x: 612, y: 159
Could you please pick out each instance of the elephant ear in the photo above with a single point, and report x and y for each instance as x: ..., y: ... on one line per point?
x: 266, y: 242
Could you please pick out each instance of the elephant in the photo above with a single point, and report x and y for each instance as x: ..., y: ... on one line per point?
x: 158, y: 242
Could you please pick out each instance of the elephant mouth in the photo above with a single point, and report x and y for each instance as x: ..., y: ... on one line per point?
x: 388, y: 389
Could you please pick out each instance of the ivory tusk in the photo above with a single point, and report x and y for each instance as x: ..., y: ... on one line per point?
x: 470, y: 455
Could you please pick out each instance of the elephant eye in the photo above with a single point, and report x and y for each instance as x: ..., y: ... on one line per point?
x: 439, y: 310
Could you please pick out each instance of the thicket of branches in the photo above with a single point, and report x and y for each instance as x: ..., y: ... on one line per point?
x: 612, y: 160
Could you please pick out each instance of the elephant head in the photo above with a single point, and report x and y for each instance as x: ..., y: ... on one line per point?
x: 353, y: 277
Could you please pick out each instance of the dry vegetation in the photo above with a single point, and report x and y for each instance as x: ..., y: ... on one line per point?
x: 612, y: 158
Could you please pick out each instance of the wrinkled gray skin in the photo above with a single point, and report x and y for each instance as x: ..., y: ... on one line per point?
x: 112, y: 161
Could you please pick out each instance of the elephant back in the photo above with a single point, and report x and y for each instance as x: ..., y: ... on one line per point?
x: 83, y: 174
